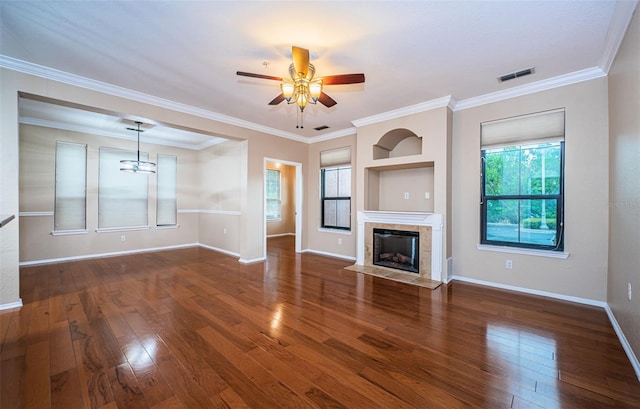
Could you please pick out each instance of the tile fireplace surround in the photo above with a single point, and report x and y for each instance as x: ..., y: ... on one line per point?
x: 428, y: 224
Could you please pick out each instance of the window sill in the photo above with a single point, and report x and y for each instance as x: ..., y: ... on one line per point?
x: 69, y: 232
x: 338, y: 231
x: 527, y: 252
x: 113, y: 229
x: 168, y: 226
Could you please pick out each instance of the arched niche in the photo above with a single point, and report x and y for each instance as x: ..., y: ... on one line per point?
x: 397, y: 142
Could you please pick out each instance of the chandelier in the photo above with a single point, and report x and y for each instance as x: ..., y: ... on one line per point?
x: 137, y: 166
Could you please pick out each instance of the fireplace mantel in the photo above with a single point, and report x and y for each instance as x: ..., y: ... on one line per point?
x: 434, y: 220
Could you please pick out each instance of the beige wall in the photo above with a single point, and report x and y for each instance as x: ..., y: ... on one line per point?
x: 583, y: 274
x: 272, y: 147
x: 37, y: 189
x: 287, y: 222
x: 624, y: 187
x: 394, y: 184
x: 220, y: 195
x: 338, y: 242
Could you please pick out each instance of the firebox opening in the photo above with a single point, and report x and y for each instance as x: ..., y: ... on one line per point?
x: 397, y: 249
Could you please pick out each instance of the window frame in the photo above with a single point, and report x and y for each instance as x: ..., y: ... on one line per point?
x: 559, y: 197
x: 324, y: 199
x: 274, y: 200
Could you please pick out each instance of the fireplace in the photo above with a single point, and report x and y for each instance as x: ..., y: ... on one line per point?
x: 427, y: 225
x: 399, y: 249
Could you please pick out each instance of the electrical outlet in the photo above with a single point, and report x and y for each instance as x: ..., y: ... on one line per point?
x: 427, y: 195
x: 339, y: 241
x: 629, y: 292
x: 224, y: 230
x: 123, y: 238
x: 509, y: 264
x: 406, y: 195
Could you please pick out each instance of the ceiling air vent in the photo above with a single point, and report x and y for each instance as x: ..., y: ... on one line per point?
x: 514, y: 75
x: 321, y: 128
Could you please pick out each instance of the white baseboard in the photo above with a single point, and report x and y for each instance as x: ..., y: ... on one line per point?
x: 623, y: 340
x: 230, y: 253
x: 101, y: 255
x: 11, y: 305
x: 633, y: 359
x: 325, y: 253
x: 563, y: 297
x: 252, y: 260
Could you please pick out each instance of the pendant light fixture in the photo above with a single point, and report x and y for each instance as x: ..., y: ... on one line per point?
x: 137, y: 166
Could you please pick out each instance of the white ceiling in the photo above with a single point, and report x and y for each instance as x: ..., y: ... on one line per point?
x: 186, y: 53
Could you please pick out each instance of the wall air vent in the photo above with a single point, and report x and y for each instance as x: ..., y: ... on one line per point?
x: 321, y: 128
x: 517, y: 74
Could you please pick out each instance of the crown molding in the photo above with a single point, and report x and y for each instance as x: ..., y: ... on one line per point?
x: 333, y: 135
x: 538, y: 86
x: 102, y: 132
x: 93, y: 85
x: 447, y: 101
x: 622, y: 18
x: 622, y: 15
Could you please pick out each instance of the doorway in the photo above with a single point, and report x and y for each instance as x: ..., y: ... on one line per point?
x: 283, y: 203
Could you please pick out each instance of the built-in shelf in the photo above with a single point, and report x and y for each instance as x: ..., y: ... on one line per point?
x: 400, y: 187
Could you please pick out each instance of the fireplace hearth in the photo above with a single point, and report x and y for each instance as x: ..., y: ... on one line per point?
x: 398, y: 249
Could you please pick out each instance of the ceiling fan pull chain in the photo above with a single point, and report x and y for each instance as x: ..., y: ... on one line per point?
x: 299, y: 119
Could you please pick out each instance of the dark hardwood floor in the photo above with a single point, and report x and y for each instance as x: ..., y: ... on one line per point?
x: 193, y: 328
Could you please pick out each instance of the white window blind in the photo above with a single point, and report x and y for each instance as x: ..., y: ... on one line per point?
x: 167, y: 190
x: 335, y: 157
x: 71, y: 187
x: 122, y: 196
x: 535, y: 128
x: 273, y: 194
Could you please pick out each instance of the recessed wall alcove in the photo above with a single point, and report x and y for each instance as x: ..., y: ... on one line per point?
x: 408, y: 187
x: 396, y: 143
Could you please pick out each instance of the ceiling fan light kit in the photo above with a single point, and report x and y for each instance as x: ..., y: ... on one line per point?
x: 137, y: 166
x: 303, y: 89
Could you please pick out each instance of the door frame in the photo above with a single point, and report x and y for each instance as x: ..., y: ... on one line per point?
x: 298, y: 199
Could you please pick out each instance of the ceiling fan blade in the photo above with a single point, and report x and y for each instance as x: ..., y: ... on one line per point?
x: 252, y: 75
x: 326, y: 100
x: 300, y: 58
x: 277, y: 100
x: 343, y: 79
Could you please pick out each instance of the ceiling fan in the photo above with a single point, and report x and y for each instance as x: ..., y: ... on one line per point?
x: 303, y: 88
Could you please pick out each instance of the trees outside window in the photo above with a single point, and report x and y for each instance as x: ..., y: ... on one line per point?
x: 522, y: 196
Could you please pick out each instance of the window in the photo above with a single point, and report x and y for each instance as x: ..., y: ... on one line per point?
x: 273, y: 194
x: 167, y: 208
x: 71, y: 188
x: 335, y: 186
x: 122, y: 196
x: 522, y: 182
